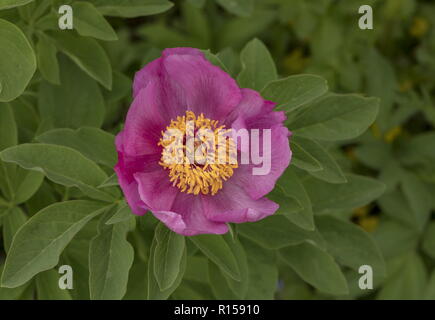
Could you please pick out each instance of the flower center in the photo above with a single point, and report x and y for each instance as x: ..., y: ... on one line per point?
x: 199, y: 154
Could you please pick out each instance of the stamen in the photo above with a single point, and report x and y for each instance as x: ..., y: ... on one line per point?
x: 206, y: 172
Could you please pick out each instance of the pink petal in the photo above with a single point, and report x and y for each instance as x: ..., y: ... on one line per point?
x: 187, y: 217
x: 254, y: 112
x: 145, y: 123
x: 155, y: 190
x: 233, y: 204
x: 126, y: 167
x: 188, y: 81
x: 258, y: 186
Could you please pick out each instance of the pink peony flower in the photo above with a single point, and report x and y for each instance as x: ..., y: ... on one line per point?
x: 196, y: 198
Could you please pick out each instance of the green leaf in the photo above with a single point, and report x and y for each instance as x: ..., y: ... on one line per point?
x: 416, y: 151
x: 8, y: 127
x: 18, y: 63
x: 7, y: 171
x: 163, y: 36
x: 330, y: 171
x: 327, y: 197
x: 12, y: 293
x: 214, y: 59
x: 110, y: 259
x: 219, y: 286
x: 33, y: 251
x: 430, y: 288
x: 95, y: 144
x: 131, y: 8
x: 428, y: 244
x: 197, y: 266
x: 225, y: 287
x: 411, y: 203
x: 46, y: 54
x: 276, y: 232
x: 390, y: 175
x: 240, y: 288
x: 13, y: 219
x: 295, y: 91
x: 121, y: 88
x: 76, y: 255
x: 122, y: 213
x: 263, y: 272
x: 290, y: 207
x: 258, y: 67
x: 3, y: 209
x: 137, y: 287
x: 28, y: 183
x: 154, y: 292
x: 418, y: 197
x: 47, y: 286
x: 196, y: 23
x: 374, y: 154
x: 407, y: 282
x: 61, y: 165
x: 41, y: 199
x: 351, y: 246
x: 197, y: 3
x: 89, y: 22
x: 8, y: 138
x: 395, y: 238
x: 87, y: 54
x: 380, y: 79
x: 76, y: 103
x: 8, y: 4
x: 292, y: 187
x: 236, y: 32
x: 336, y: 117
x: 302, y: 159
x: 241, y: 8
x: 193, y: 290
x: 218, y: 251
x: 316, y: 267
x: 110, y: 181
x: 26, y: 118
x: 231, y: 61
x: 168, y: 254
x: 394, y: 204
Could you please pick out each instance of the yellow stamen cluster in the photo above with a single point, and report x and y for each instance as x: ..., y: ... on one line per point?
x: 214, y: 156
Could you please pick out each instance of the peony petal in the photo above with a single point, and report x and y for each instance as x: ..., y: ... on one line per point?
x: 258, y: 186
x: 130, y: 190
x: 254, y: 112
x: 151, y: 72
x: 125, y: 169
x: 188, y: 81
x: 233, y: 204
x: 155, y: 190
x: 187, y: 217
x: 131, y: 193
x: 201, y: 86
x: 172, y: 220
x: 144, y: 123
x: 154, y: 70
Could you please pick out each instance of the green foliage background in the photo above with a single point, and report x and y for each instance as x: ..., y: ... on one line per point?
x: 360, y: 189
